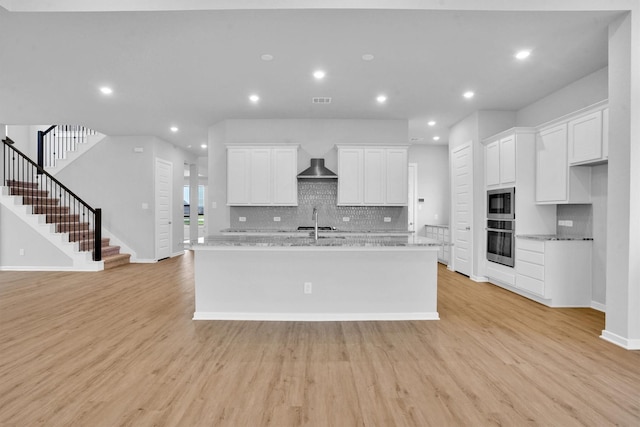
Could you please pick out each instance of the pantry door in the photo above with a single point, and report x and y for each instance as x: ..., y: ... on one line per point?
x: 163, y: 203
x: 462, y: 167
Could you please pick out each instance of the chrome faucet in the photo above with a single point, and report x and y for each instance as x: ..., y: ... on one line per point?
x: 315, y: 218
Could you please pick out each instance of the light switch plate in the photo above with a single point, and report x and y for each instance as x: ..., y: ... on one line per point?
x: 242, y: 218
x: 345, y: 219
x: 387, y: 219
x: 276, y: 218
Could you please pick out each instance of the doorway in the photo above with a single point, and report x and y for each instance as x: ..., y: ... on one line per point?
x: 462, y: 169
x: 163, y: 203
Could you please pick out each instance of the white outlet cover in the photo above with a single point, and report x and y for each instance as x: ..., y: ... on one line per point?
x: 276, y: 218
x: 242, y: 218
x: 345, y: 219
x: 387, y: 219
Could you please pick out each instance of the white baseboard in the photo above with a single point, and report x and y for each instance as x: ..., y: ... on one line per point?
x: 143, y: 261
x: 628, y: 344
x: 313, y: 317
x: 479, y: 279
x: 598, y: 306
x: 96, y: 266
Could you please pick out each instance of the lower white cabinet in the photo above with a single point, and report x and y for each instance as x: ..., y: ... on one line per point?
x: 441, y: 234
x: 558, y: 272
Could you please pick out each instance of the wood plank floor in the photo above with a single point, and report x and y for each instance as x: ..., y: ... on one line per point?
x: 119, y: 347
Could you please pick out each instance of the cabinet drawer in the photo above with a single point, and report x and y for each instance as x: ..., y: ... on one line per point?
x: 531, y: 245
x: 528, y: 284
x: 534, y: 271
x: 529, y: 256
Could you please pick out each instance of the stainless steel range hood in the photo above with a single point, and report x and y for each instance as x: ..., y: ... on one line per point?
x: 317, y: 170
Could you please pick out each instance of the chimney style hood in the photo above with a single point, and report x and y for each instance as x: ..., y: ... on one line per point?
x: 317, y: 170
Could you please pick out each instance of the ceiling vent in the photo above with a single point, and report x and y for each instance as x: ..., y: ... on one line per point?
x: 321, y: 100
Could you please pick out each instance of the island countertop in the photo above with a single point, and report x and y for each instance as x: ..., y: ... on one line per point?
x: 356, y: 241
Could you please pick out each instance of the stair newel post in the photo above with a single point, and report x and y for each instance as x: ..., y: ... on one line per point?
x: 97, y: 235
x: 40, y: 151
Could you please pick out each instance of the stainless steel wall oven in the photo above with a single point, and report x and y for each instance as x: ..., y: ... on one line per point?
x: 501, y: 241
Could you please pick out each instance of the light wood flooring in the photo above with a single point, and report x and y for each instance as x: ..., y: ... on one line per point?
x: 118, y: 347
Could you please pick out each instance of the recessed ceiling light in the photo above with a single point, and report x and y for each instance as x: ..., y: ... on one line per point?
x: 267, y: 57
x: 254, y: 98
x: 523, y: 54
x: 431, y: 123
x: 203, y: 145
x: 468, y: 94
x: 174, y: 129
x: 381, y: 99
x: 436, y: 138
x: 367, y: 57
x: 319, y: 74
x: 106, y: 90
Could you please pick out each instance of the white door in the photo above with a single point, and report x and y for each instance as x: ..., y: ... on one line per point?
x: 164, y: 228
x: 413, y: 196
x: 462, y: 208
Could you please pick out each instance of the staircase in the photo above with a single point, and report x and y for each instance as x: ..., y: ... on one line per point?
x: 65, y: 222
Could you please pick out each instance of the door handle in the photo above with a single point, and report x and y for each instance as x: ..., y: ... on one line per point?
x: 467, y: 228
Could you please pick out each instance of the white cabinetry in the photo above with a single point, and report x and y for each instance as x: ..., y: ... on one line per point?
x: 441, y: 234
x: 500, y: 162
x: 262, y: 175
x: 585, y: 139
x: 556, y: 181
x: 372, y: 175
x: 553, y: 271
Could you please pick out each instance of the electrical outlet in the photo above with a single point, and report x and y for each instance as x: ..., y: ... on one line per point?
x: 214, y: 205
x: 242, y: 218
x: 22, y: 252
x: 276, y: 218
x: 435, y: 216
x: 568, y: 223
x: 345, y: 219
x: 307, y: 287
x: 387, y: 219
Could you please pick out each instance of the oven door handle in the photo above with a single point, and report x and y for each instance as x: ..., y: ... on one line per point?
x: 498, y: 230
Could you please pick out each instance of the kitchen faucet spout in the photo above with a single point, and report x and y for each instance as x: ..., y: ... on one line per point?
x: 315, y: 228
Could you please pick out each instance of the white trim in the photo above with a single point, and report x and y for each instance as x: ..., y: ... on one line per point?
x: 479, y: 279
x: 598, y: 306
x: 313, y: 317
x: 629, y: 344
x: 143, y: 261
x: 95, y: 266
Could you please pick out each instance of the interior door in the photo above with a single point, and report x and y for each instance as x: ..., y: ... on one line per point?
x: 462, y: 208
x: 163, y: 203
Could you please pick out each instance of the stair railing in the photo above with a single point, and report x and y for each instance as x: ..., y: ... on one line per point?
x: 50, y: 197
x: 57, y: 140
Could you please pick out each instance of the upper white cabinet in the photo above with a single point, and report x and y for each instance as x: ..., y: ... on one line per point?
x: 556, y: 181
x: 262, y: 175
x: 586, y: 139
x: 500, y: 162
x: 372, y: 175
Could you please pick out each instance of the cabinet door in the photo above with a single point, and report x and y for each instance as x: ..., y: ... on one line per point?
x: 350, y: 175
x: 508, y: 160
x: 492, y: 163
x: 397, y: 177
x: 260, y: 176
x: 551, y: 165
x: 374, y: 176
x: 238, y: 169
x: 285, y: 183
x: 585, y: 138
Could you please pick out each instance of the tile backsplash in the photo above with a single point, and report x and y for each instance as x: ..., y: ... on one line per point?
x: 582, y: 217
x: 322, y: 194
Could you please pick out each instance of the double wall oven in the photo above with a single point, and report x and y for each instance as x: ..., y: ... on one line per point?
x: 501, y: 226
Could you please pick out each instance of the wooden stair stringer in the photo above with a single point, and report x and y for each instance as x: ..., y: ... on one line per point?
x: 81, y: 261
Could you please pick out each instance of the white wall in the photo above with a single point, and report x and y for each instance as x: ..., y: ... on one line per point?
x: 16, y: 235
x: 433, y: 184
x: 98, y: 179
x: 583, y: 92
x: 599, y: 198
x: 316, y: 137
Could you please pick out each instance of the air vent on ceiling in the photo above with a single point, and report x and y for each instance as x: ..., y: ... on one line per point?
x: 416, y: 139
x: 321, y: 100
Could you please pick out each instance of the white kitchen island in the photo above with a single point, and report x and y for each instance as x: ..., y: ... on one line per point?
x: 294, y: 278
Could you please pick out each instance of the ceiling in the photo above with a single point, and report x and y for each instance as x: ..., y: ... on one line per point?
x: 192, y: 69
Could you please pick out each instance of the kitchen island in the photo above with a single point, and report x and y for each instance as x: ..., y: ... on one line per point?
x: 358, y: 277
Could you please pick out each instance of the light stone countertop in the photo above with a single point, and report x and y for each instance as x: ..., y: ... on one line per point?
x: 357, y: 241
x: 544, y: 237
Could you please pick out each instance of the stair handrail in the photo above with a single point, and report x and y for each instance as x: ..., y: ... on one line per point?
x: 39, y: 172
x: 41, y: 135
